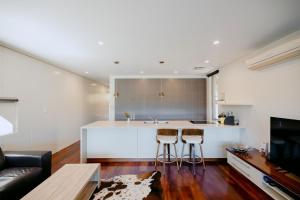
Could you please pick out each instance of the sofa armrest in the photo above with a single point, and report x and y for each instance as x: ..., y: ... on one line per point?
x: 29, y: 159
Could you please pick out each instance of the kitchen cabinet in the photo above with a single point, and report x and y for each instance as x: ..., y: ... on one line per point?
x: 165, y: 99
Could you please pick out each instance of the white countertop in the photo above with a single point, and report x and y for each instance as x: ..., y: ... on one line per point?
x: 141, y: 124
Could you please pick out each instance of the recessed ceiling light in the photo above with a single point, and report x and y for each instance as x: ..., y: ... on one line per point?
x: 142, y: 72
x: 216, y: 42
x: 161, y: 62
x: 100, y: 43
x: 207, y: 61
x: 86, y: 72
x: 175, y: 71
x: 117, y: 62
x: 198, y: 68
x: 93, y: 84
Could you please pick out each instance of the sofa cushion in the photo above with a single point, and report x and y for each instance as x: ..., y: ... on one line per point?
x: 18, y: 181
x: 40, y: 159
x: 2, y: 159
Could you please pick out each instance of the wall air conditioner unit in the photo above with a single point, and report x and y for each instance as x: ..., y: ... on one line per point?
x: 274, y: 55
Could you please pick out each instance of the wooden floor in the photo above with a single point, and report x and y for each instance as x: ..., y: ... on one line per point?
x: 218, y: 181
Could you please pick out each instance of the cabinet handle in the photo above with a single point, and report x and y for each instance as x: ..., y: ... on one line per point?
x: 161, y: 94
x: 116, y: 94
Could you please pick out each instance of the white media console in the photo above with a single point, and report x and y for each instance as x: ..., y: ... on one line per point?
x: 253, y: 167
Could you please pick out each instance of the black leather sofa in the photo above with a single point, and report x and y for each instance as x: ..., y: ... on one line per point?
x: 22, y: 171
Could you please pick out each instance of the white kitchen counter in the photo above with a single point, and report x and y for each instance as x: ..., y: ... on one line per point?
x: 135, y: 139
x: 141, y: 124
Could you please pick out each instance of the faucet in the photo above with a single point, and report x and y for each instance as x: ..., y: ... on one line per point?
x: 154, y: 119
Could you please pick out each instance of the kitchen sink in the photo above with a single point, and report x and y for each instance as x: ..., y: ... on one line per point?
x: 156, y: 122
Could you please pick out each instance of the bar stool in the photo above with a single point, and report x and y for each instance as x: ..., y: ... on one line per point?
x: 192, y: 137
x: 166, y: 137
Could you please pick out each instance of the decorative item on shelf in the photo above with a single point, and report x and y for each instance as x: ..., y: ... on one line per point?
x: 127, y: 116
x: 264, y: 149
x: 240, y: 148
x: 267, y: 149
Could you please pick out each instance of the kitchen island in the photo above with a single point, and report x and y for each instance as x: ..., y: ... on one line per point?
x: 137, y: 140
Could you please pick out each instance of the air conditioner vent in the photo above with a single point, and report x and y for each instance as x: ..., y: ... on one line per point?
x: 275, y: 55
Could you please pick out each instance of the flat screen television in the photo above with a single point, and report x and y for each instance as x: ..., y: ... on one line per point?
x: 285, y: 144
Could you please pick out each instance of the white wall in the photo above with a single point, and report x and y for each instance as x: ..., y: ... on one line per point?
x: 274, y: 91
x: 53, y: 103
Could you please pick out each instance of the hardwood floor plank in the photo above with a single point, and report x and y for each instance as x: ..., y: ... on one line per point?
x: 218, y: 181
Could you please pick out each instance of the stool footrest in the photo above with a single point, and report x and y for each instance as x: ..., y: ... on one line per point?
x: 191, y: 162
x: 160, y: 158
x: 188, y: 155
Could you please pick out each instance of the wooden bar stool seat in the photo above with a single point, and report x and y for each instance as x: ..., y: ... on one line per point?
x: 192, y: 137
x: 166, y: 137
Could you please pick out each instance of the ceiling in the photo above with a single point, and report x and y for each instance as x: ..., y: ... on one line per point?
x: 140, y: 33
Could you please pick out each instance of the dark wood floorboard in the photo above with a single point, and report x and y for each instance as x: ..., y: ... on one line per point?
x: 218, y: 181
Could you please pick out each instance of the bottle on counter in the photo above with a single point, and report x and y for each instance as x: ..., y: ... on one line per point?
x: 221, y: 118
x: 237, y: 122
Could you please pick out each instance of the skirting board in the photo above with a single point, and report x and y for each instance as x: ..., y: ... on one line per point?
x: 103, y: 160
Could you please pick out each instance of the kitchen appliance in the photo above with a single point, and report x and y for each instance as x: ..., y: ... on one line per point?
x: 201, y: 122
x: 229, y: 120
x: 285, y: 144
x: 226, y: 118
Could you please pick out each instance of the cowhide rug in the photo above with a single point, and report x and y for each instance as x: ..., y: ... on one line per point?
x: 130, y: 187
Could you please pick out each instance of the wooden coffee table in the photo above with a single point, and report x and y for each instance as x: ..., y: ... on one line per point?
x: 72, y: 181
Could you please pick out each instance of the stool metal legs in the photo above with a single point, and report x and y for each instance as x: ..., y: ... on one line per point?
x: 176, y: 157
x: 165, y: 159
x: 169, y: 154
x: 192, y: 156
x: 157, y: 151
x: 202, y: 156
x: 182, y: 151
x: 164, y: 163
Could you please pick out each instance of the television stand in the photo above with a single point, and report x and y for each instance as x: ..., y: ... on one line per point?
x: 276, y: 182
